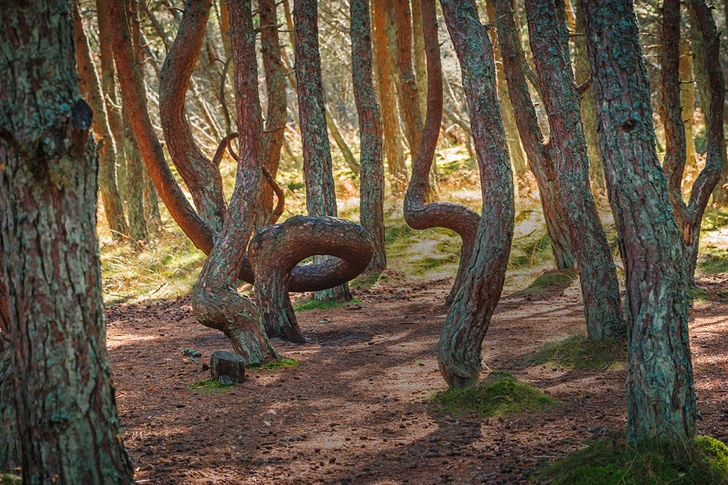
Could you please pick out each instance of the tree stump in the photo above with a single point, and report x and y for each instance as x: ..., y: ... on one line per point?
x: 227, y: 364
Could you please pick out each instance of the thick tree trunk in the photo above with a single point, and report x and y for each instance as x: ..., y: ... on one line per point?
x: 201, y: 176
x: 660, y: 393
x: 371, y: 176
x: 317, y: 167
x: 388, y: 101
x: 539, y: 154
x: 417, y: 213
x: 597, y: 272
x: 66, y: 414
x: 469, y: 316
x: 91, y: 89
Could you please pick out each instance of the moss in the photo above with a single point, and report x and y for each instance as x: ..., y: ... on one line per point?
x: 322, y: 305
x: 499, y: 394
x: 613, y: 462
x: 578, y: 352
x: 209, y: 386
x: 276, y: 364
x: 366, y: 281
x: 554, y: 281
x: 9, y: 479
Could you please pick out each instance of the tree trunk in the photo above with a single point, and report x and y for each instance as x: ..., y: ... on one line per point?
x: 320, y: 193
x: 687, y: 102
x: 134, y: 186
x: 597, y: 273
x: 588, y: 109
x: 66, y: 415
x: 469, y: 316
x: 660, y: 393
x: 91, y: 89
x: 371, y: 175
x: 539, y: 154
x: 343, y: 147
x: 420, y: 65
x: 388, y: 101
x: 9, y: 444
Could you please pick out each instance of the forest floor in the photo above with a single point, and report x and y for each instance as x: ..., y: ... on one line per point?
x: 358, y: 408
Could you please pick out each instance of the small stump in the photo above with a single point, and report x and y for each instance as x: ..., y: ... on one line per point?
x: 227, y: 367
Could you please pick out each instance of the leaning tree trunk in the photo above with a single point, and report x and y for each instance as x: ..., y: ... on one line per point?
x: 417, y: 213
x: 597, y: 272
x: 90, y: 86
x: 660, y: 392
x: 317, y: 165
x: 539, y: 154
x: 370, y: 133
x: 469, y: 316
x: 66, y: 415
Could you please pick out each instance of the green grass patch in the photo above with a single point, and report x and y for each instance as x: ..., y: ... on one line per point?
x: 500, y: 393
x: 209, y: 386
x: 698, y: 295
x: 613, y: 462
x: 550, y: 282
x: 323, y: 305
x: 712, y: 261
x: 367, y: 280
x: 530, y: 251
x: 578, y: 352
x: 276, y: 364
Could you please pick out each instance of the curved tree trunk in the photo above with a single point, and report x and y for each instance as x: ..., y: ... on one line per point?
x: 91, y: 89
x: 539, y: 154
x: 417, y: 213
x: 469, y: 316
x: 371, y: 176
x: 66, y: 414
x: 597, y: 273
x: 388, y: 100
x: 320, y: 193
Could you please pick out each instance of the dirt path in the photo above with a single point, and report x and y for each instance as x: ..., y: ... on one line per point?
x: 356, y: 409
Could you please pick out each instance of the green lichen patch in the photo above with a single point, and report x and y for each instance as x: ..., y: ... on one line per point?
x: 323, y: 305
x: 579, y: 352
x: 276, y: 364
x: 209, y: 386
x: 614, y: 462
x: 500, y: 393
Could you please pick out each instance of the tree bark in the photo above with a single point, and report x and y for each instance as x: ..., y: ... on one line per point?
x: 9, y: 444
x: 90, y: 86
x: 371, y: 185
x: 597, y: 273
x: 66, y: 414
x: 467, y: 321
x: 317, y: 167
x: 539, y: 154
x: 660, y: 393
x: 388, y: 101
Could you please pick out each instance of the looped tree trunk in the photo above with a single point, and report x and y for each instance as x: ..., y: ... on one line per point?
x: 417, y: 214
x: 276, y: 250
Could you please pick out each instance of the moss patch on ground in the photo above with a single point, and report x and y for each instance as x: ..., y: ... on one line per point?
x: 323, y: 305
x: 613, y: 462
x: 550, y: 282
x: 579, y: 352
x: 276, y: 364
x: 500, y: 393
x: 209, y: 386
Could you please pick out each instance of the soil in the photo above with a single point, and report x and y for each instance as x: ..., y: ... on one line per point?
x: 358, y: 410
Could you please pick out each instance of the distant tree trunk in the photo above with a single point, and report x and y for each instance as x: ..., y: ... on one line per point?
x: 275, y: 121
x: 341, y: 143
x: 370, y: 133
x: 687, y: 101
x: 539, y: 153
x: 66, y: 415
x: 113, y: 101
x: 320, y: 193
x: 597, y: 273
x: 660, y: 393
x: 513, y: 140
x: 588, y: 110
x: 151, y: 204
x: 469, y: 316
x: 388, y: 100
x: 419, y: 55
x: 91, y: 89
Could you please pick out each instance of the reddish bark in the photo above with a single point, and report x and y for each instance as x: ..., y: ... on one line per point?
x: 417, y: 213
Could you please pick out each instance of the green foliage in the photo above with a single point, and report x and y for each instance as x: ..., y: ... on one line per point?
x: 276, y: 364
x: 323, y: 305
x: 209, y: 386
x: 579, y: 352
x: 500, y: 393
x: 613, y: 462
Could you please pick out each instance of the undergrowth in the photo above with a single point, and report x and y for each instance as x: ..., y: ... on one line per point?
x: 500, y: 393
x: 612, y: 462
x: 579, y: 352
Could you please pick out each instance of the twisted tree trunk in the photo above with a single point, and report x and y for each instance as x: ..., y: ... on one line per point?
x: 469, y: 316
